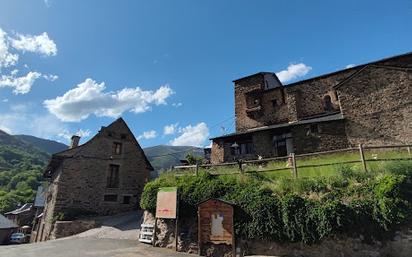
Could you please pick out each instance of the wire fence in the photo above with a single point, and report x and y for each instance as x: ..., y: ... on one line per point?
x: 326, y: 163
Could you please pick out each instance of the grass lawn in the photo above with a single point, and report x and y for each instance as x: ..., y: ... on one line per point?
x: 325, y: 165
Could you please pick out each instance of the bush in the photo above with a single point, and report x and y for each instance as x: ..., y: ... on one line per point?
x: 302, y: 210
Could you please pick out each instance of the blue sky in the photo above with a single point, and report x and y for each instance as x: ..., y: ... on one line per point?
x: 81, y: 64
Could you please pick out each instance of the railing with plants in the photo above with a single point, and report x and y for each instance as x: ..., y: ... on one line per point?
x: 305, y: 165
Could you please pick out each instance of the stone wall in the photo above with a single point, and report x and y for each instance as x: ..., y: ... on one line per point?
x: 377, y: 105
x: 79, y: 184
x: 312, y: 91
x: 68, y: 228
x: 166, y: 233
x: 329, y: 136
x: 293, y: 102
x: 398, y: 246
x: 246, y: 90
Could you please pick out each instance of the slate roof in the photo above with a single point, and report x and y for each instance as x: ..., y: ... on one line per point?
x: 24, y: 208
x: 6, y: 223
x: 40, y: 200
x: 309, y: 120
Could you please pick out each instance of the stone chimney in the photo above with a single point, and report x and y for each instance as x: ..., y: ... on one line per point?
x: 75, y: 141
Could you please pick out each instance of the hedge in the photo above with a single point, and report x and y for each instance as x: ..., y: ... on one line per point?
x: 353, y: 203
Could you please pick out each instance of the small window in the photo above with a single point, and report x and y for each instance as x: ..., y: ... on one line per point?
x: 314, y: 128
x: 110, y: 198
x: 126, y: 199
x: 113, y: 176
x: 327, y: 103
x: 117, y: 148
x: 123, y: 136
x: 110, y: 134
x: 274, y: 103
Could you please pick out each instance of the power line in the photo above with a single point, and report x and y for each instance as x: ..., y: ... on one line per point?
x: 187, y: 150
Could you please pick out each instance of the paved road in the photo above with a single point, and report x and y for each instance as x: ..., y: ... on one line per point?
x: 87, y: 247
x: 117, y: 237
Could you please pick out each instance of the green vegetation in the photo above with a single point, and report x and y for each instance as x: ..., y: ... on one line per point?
x: 21, y: 166
x: 307, y: 209
x: 18, y: 186
x: 163, y: 157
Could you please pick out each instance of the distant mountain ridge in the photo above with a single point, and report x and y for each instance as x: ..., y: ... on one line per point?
x: 46, y: 145
x: 16, y: 153
x: 163, y: 157
x: 17, y: 149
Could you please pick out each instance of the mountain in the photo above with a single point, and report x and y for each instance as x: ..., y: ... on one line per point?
x: 17, y: 153
x: 162, y: 157
x: 45, y: 145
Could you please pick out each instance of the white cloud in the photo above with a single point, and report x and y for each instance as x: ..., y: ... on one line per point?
x: 50, y: 77
x: 20, y: 85
x: 40, y: 44
x: 65, y: 133
x: 293, y: 71
x: 148, y: 135
x: 7, y: 58
x: 5, y: 100
x: 192, y: 135
x: 350, y: 66
x: 19, y: 121
x: 177, y: 104
x: 170, y: 129
x: 89, y: 98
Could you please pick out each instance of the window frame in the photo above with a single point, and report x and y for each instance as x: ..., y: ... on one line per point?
x: 113, y: 176
x: 117, y: 148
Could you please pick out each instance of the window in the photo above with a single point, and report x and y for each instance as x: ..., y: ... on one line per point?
x: 336, y: 95
x: 314, y: 128
x: 110, y: 198
x: 123, y: 136
x: 117, y: 148
x: 113, y: 176
x: 126, y: 199
x: 283, y: 96
x: 246, y: 148
x: 274, y: 103
x: 110, y: 134
x: 327, y: 103
x: 279, y: 145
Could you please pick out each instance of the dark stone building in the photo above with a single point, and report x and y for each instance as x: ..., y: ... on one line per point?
x: 106, y: 175
x: 369, y: 104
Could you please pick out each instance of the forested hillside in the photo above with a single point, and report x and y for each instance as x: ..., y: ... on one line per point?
x: 21, y: 165
x: 162, y: 157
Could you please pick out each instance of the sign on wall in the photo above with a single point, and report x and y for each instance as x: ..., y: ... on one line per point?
x: 166, y: 205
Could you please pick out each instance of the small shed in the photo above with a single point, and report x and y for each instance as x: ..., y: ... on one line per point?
x: 215, y: 228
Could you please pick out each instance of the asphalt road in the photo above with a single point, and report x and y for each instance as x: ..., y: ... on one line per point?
x: 87, y: 247
x: 117, y: 237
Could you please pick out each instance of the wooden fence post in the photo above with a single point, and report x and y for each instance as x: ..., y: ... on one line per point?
x: 294, y: 168
x: 197, y: 169
x: 240, y: 162
x: 362, y: 155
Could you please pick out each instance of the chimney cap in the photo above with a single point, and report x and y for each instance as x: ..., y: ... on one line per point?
x: 75, y: 136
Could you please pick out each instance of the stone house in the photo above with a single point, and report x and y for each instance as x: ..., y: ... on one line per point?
x: 105, y: 175
x: 7, y: 227
x: 22, y: 216
x: 369, y: 104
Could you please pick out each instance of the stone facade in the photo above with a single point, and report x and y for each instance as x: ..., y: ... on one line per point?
x: 368, y: 104
x: 106, y: 175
